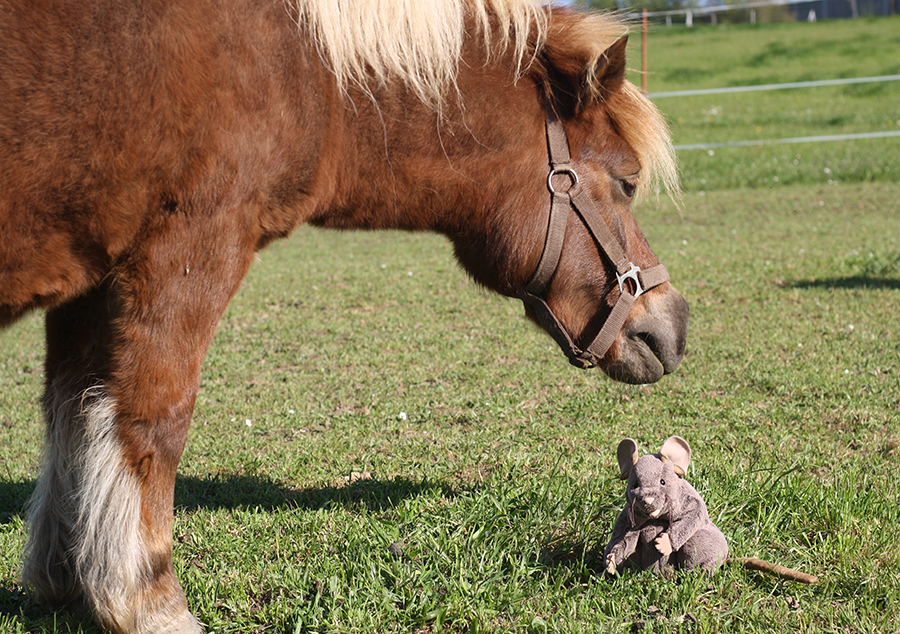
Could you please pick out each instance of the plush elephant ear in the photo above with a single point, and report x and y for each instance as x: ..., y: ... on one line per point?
x: 678, y: 451
x: 627, y: 455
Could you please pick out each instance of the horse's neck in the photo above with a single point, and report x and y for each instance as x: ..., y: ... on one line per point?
x: 409, y: 165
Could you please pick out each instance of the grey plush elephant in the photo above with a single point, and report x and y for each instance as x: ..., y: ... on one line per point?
x: 665, y: 522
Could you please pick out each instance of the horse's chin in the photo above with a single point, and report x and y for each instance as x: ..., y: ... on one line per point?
x: 636, y: 364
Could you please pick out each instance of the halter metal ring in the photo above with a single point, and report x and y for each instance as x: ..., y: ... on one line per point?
x: 568, y: 171
x: 631, y: 274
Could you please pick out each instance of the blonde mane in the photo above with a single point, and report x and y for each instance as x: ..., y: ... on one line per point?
x: 420, y: 42
x: 417, y: 41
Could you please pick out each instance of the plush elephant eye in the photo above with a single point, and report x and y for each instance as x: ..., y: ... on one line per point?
x: 662, y: 482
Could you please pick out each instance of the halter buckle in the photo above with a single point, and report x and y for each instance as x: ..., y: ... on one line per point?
x: 631, y: 274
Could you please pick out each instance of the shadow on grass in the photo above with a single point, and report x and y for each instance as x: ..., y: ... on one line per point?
x: 16, y: 607
x: 215, y: 492
x: 244, y: 491
x: 13, y: 496
x: 856, y: 281
x: 587, y: 560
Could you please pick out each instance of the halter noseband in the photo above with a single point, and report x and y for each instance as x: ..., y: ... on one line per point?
x: 633, y: 281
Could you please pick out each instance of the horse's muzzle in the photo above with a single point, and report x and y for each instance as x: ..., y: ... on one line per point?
x: 651, y: 343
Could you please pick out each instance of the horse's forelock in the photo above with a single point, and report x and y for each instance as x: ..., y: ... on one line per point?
x: 645, y: 130
x: 576, y: 45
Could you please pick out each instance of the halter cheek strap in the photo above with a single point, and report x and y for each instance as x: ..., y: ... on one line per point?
x: 633, y: 281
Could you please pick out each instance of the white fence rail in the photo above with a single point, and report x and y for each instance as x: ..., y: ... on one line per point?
x: 797, y: 84
x: 799, y: 139
x: 812, y: 10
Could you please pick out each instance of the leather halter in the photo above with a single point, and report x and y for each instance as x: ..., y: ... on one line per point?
x: 633, y: 281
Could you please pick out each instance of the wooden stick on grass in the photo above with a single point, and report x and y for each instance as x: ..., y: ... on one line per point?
x: 752, y: 563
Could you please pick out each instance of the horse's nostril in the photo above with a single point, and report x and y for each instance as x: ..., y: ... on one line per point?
x: 665, y: 351
x: 653, y: 344
x: 667, y: 340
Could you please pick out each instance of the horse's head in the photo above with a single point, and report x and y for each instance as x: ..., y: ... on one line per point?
x: 634, y: 333
x: 578, y: 259
x: 619, y: 313
x: 476, y: 165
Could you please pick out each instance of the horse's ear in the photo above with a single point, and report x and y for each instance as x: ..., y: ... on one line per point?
x: 609, y: 72
x: 581, y: 77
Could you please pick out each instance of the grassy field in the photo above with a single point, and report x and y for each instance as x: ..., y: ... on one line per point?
x: 380, y: 446
x: 743, y: 55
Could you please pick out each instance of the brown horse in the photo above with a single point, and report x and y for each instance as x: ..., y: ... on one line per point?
x: 149, y: 147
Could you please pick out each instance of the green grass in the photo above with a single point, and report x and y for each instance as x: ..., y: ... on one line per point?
x: 420, y: 459
x: 741, y: 55
x: 707, y: 56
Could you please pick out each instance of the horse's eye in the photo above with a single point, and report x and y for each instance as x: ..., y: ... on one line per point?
x: 628, y: 187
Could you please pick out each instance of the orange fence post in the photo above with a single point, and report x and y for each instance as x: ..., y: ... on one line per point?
x: 644, y: 50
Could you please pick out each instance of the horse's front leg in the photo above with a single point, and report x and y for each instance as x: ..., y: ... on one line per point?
x: 77, y: 348
x: 118, y: 411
